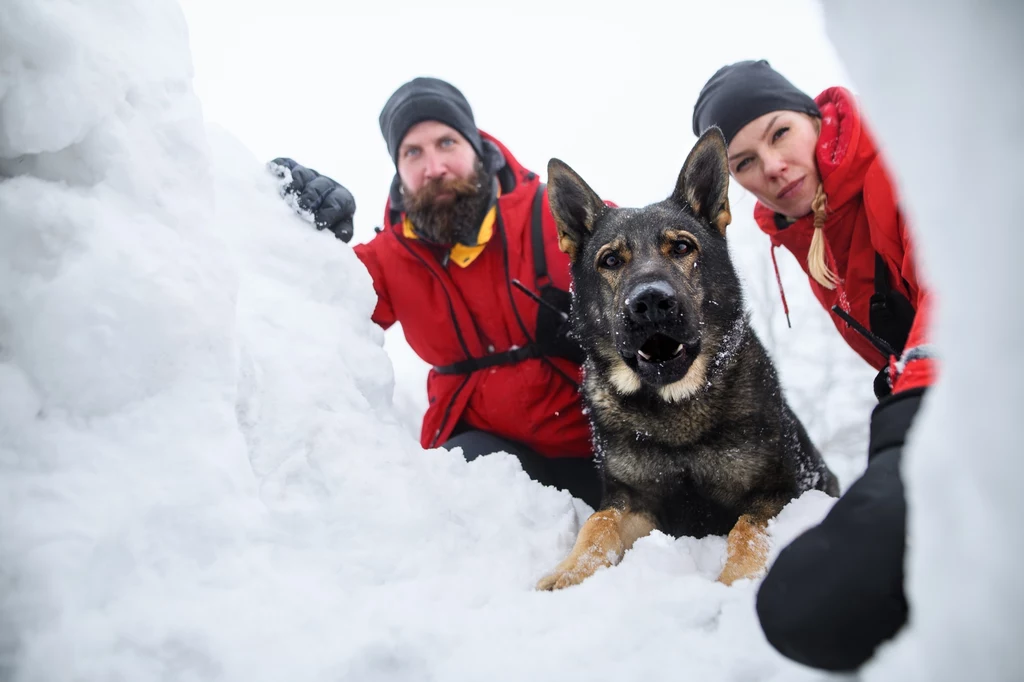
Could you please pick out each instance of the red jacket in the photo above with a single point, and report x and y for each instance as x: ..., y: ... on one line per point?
x: 863, y: 219
x: 451, y: 312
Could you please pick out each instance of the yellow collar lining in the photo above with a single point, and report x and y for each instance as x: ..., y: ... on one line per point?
x: 461, y: 254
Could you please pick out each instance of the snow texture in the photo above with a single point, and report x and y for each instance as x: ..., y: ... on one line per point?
x: 202, y: 472
x: 941, y: 82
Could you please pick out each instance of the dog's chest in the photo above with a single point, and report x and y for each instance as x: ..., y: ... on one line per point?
x: 653, y: 468
x: 692, y: 491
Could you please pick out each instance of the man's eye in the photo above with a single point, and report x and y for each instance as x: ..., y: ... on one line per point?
x: 411, y: 151
x: 610, y: 261
x: 447, y: 142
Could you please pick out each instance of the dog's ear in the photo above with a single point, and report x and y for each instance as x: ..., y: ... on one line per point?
x: 703, y: 184
x: 574, y: 205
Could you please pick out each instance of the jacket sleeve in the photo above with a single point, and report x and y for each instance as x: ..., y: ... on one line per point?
x: 369, y: 254
x: 916, y: 368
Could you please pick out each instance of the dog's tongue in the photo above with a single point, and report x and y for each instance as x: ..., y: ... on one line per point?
x: 660, y: 348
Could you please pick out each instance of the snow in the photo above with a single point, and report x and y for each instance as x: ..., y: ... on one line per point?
x: 203, y: 473
x: 956, y: 139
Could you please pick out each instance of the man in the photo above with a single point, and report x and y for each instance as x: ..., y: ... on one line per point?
x: 466, y: 229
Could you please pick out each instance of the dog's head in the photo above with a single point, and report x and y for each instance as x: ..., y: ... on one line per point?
x: 654, y: 289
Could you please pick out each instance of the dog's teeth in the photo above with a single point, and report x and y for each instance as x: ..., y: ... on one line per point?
x: 644, y: 355
x: 678, y: 350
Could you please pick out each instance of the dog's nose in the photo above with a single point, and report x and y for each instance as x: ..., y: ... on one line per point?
x: 652, y: 302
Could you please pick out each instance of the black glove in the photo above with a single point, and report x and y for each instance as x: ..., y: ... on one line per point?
x: 881, y: 385
x: 330, y: 204
x: 836, y: 592
x: 891, y: 419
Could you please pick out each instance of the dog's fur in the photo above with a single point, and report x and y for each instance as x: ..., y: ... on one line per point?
x: 698, y: 439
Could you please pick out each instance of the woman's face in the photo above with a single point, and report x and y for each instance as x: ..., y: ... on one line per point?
x: 773, y: 157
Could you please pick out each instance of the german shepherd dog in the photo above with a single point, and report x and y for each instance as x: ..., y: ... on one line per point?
x: 692, y: 431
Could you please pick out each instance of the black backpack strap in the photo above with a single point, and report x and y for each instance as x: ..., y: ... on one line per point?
x: 890, y: 313
x: 509, y: 357
x: 554, y: 304
x: 881, y: 275
x: 540, y: 264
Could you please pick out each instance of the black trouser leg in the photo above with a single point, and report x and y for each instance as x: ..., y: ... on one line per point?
x: 577, y: 475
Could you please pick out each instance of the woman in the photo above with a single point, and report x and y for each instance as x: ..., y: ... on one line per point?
x: 824, y: 193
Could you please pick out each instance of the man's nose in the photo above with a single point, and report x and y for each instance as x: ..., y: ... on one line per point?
x: 434, y: 167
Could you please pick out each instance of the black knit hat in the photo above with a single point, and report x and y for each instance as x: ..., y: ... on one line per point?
x: 427, y: 99
x: 741, y: 92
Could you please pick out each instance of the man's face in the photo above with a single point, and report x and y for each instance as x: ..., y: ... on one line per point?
x: 433, y: 153
x: 441, y: 176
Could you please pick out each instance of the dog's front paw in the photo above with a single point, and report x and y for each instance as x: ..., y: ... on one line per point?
x: 574, y: 570
x: 747, y: 551
x: 603, y: 539
x: 733, y: 571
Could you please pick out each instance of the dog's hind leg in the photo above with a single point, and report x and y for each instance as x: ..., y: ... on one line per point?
x: 747, y: 544
x: 602, y: 541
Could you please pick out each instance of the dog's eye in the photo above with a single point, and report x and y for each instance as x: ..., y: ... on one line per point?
x: 610, y: 261
x: 681, y: 248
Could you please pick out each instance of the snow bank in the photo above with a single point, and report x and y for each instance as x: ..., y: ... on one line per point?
x: 202, y: 475
x: 941, y: 84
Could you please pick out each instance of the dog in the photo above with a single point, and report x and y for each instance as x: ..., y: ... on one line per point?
x: 692, y: 432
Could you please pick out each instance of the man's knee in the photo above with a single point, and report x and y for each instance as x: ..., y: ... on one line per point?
x: 475, y: 443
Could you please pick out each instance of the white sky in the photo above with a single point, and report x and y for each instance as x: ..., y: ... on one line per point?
x: 609, y: 91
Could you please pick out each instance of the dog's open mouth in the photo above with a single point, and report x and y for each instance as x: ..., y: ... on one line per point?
x: 659, y: 349
x: 661, y: 359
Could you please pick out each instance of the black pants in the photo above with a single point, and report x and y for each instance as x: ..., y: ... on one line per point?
x: 578, y: 475
x: 836, y: 592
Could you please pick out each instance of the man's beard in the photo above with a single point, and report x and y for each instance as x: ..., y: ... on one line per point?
x: 452, y: 219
